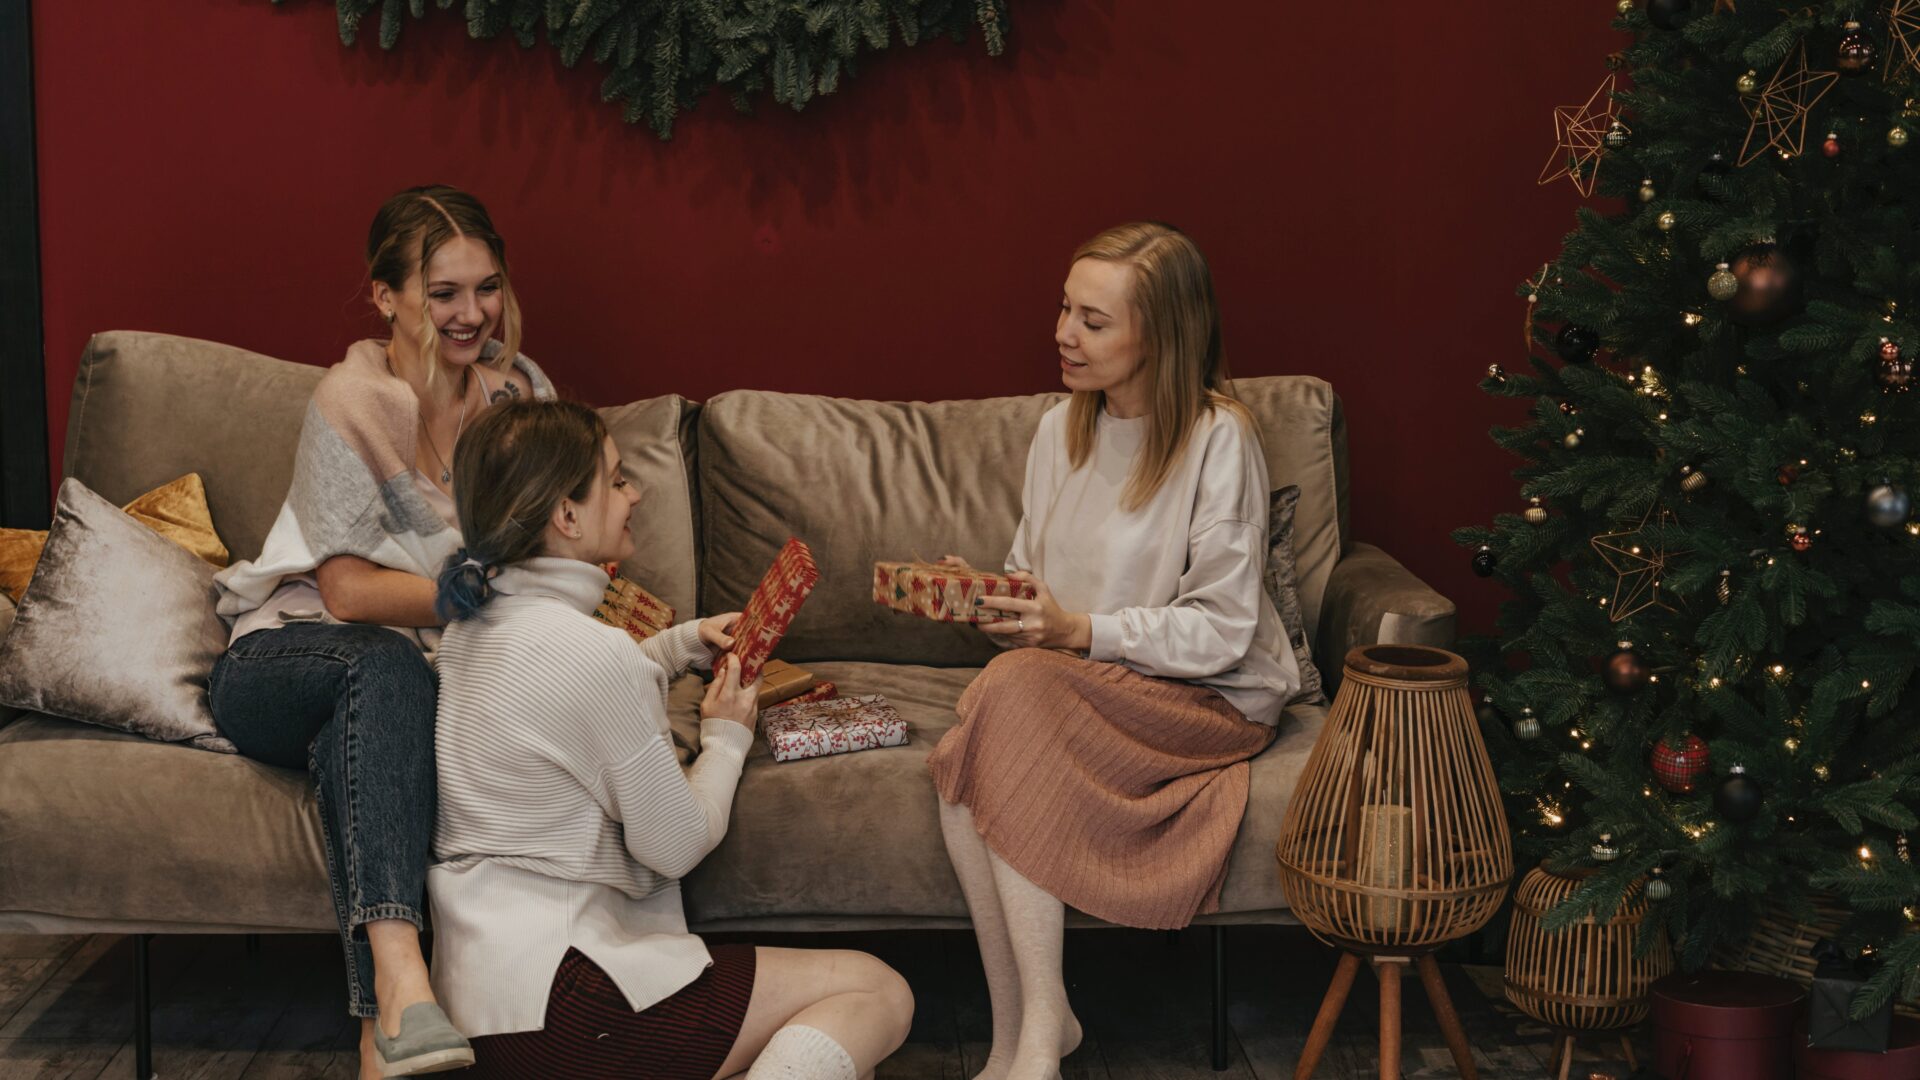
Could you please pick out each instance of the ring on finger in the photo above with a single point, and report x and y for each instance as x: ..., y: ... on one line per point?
x: 1020, y: 624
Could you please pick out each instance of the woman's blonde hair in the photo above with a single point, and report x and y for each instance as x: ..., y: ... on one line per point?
x: 1171, y: 293
x: 412, y: 225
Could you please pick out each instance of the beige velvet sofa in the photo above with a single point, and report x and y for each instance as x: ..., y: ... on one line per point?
x: 101, y: 831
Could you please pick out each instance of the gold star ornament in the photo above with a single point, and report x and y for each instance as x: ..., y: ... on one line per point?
x: 1779, y: 110
x: 1639, y: 557
x: 1903, y: 27
x: 1580, y: 138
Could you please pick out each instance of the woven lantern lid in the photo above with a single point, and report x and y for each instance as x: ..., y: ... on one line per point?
x: 1407, y: 663
x: 1726, y: 1004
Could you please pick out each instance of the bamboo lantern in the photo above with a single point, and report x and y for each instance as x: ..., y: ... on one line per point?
x: 1395, y: 841
x: 1588, y: 977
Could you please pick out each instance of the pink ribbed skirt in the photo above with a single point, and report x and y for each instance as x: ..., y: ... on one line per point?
x: 1114, y: 791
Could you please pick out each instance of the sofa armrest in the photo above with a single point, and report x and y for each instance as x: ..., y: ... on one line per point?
x: 1372, y: 599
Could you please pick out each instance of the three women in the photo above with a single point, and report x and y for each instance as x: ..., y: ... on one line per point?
x: 564, y: 819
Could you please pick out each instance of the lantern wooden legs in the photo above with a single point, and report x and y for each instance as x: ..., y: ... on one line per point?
x: 1329, y: 1015
x: 1388, y: 969
x: 1442, y: 1003
x: 1562, y: 1059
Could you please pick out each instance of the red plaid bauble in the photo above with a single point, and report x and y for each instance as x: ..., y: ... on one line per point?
x: 1680, y: 768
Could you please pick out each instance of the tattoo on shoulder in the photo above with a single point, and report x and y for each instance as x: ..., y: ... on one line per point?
x: 509, y: 392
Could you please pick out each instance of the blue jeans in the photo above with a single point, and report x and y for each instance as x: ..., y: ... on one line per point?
x: 354, y: 706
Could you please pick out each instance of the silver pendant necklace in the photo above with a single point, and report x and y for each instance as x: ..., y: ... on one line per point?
x: 460, y: 425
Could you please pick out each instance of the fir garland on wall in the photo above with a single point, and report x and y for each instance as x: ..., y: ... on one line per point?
x: 662, y: 55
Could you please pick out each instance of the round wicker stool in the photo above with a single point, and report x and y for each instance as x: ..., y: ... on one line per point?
x: 1395, y: 841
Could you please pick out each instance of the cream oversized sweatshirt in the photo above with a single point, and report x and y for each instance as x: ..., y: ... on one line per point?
x: 1174, y: 588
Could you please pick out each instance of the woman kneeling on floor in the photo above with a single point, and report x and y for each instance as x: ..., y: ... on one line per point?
x: 565, y: 819
x: 1103, y: 762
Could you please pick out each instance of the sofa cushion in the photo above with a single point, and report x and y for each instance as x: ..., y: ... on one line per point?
x: 1305, y: 436
x: 97, y: 824
x: 117, y: 628
x: 149, y: 407
x: 861, y: 481
x: 859, y: 834
x: 655, y: 438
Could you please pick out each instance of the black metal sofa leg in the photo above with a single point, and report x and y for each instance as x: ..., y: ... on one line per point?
x: 1219, y: 998
x: 142, y: 1010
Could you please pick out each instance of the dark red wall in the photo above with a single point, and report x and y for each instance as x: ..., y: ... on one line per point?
x: 1361, y: 176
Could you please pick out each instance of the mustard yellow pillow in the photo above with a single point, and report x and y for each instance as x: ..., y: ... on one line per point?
x: 176, y: 510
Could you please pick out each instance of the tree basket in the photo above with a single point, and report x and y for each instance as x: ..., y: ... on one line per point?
x: 1585, y: 977
x: 1781, y: 944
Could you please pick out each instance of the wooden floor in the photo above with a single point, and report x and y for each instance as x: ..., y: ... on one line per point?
x: 222, y: 1013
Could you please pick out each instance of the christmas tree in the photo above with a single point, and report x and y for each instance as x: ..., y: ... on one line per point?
x: 1701, y: 683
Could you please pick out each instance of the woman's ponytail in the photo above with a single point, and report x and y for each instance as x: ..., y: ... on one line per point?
x: 464, y: 588
x: 511, y: 468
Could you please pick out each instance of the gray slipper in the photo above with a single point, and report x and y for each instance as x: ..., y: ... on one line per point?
x: 427, y: 1043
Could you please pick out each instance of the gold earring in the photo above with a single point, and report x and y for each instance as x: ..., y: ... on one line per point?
x: 388, y: 315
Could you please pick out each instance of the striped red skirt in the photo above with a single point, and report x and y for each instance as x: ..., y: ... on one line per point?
x: 593, y: 1033
x: 1116, y: 792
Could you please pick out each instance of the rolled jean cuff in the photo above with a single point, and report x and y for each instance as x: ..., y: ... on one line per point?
x: 361, y: 916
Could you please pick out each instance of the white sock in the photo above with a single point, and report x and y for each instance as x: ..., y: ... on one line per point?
x: 799, y: 1052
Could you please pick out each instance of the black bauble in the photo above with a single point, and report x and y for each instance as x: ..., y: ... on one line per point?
x: 1667, y: 14
x: 1738, y: 797
x: 1576, y: 344
x: 1483, y: 561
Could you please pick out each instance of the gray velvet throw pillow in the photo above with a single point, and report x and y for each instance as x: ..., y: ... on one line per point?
x: 117, y: 628
x: 1283, y: 588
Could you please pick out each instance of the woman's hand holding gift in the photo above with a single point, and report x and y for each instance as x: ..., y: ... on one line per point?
x: 726, y: 699
x: 716, y: 631
x: 1037, y: 623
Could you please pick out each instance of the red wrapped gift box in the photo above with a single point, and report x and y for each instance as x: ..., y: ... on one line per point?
x: 839, y: 726
x: 1900, y: 1062
x: 1724, y: 1025
x: 633, y: 609
x: 771, y: 608
x: 942, y: 593
x: 821, y: 692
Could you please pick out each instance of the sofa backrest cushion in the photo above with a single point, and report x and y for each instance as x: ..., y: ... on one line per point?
x: 149, y: 407
x: 861, y: 481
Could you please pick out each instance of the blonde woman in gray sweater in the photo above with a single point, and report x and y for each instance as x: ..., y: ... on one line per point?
x: 565, y: 820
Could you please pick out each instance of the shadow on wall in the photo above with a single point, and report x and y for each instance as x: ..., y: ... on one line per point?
x: 860, y: 148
